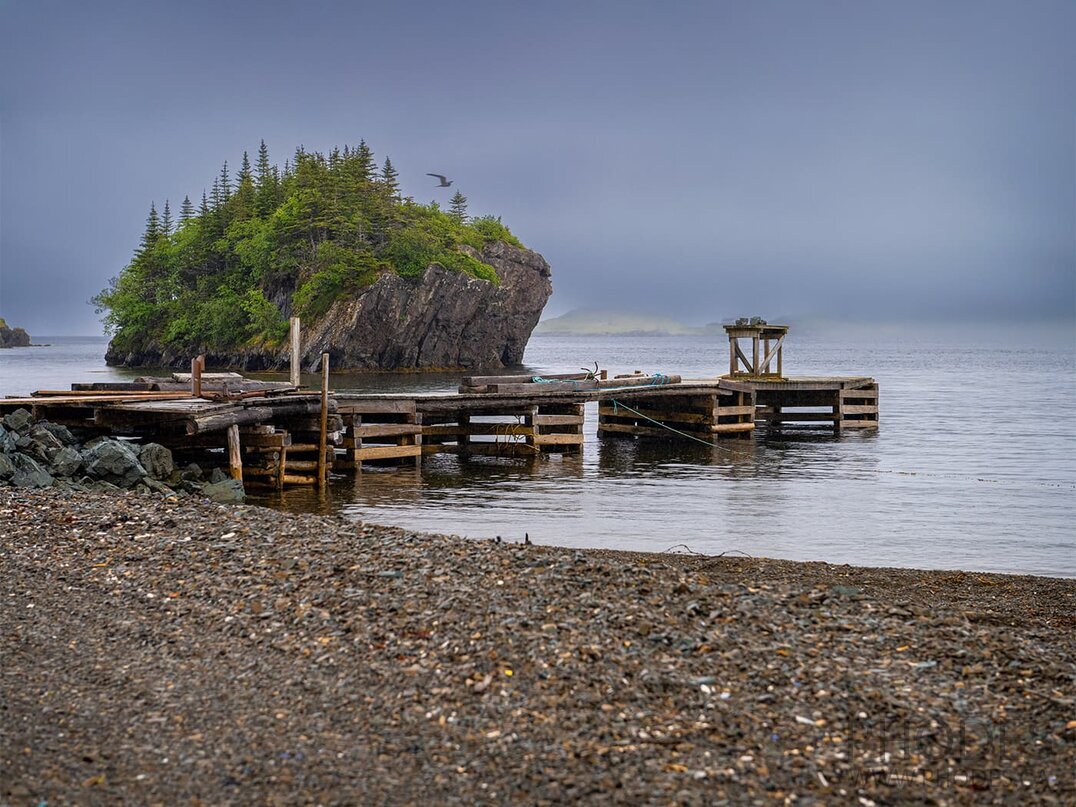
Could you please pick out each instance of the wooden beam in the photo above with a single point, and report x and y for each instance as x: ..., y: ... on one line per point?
x: 196, y: 377
x: 386, y: 429
x: 385, y: 452
x: 773, y: 352
x: 479, y: 429
x: 847, y: 409
x: 740, y: 355
x: 323, y: 434
x: 296, y: 357
x: 558, y: 420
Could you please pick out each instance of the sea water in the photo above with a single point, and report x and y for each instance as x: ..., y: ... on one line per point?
x: 973, y: 466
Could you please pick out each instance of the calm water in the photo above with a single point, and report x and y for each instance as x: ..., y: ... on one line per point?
x: 974, y: 466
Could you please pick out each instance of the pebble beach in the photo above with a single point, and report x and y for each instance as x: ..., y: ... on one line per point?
x: 164, y: 651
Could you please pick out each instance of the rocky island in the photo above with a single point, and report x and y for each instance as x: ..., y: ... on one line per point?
x: 380, y: 281
x: 12, y: 337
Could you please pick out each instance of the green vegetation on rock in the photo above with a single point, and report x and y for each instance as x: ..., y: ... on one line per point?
x: 274, y: 242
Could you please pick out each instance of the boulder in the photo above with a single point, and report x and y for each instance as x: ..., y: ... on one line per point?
x: 7, y: 441
x: 7, y: 468
x: 66, y: 462
x: 19, y: 421
x: 59, y: 431
x: 157, y: 460
x: 28, y: 474
x: 157, y: 486
x: 217, y: 475
x: 43, y: 444
x: 114, y: 462
x: 230, y: 491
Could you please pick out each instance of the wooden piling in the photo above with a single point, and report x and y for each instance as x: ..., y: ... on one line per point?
x: 323, y: 434
x: 235, y: 454
x: 197, y: 365
x: 295, y: 362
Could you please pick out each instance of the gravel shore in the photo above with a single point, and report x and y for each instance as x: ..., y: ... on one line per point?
x: 174, y: 652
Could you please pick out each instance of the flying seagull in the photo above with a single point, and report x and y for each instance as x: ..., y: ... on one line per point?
x: 445, y: 181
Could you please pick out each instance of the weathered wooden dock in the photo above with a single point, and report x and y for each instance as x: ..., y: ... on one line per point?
x: 275, y: 434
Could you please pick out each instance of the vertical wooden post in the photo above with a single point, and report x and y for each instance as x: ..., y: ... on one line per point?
x: 323, y: 434
x: 295, y: 366
x: 754, y: 355
x: 463, y: 438
x: 235, y: 454
x: 732, y: 355
x: 197, y: 363
x: 780, y: 350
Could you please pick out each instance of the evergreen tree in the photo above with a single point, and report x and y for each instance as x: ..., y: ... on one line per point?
x: 216, y: 198
x: 365, y: 158
x: 225, y: 183
x: 243, y: 203
x: 166, y: 219
x: 388, y: 178
x: 267, y: 185
x: 458, y: 206
x: 204, y: 210
x: 263, y: 167
x: 244, y: 170
x: 153, y: 230
x: 186, y: 210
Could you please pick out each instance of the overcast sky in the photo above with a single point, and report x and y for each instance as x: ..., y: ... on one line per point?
x: 893, y: 160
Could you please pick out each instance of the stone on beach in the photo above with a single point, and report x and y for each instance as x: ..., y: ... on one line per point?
x: 226, y: 491
x: 19, y: 421
x: 115, y: 462
x: 28, y: 474
x: 157, y: 460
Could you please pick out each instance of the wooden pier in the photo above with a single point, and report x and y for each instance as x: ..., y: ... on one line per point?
x: 273, y: 434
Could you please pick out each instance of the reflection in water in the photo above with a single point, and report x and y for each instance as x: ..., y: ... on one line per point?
x: 951, y: 480
x: 971, y: 470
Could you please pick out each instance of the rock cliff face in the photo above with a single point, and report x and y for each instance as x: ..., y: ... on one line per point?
x: 443, y: 320
x: 13, y: 337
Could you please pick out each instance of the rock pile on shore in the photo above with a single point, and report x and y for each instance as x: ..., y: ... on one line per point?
x: 40, y: 454
x: 180, y: 652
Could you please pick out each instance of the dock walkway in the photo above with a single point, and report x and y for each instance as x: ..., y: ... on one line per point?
x: 273, y: 433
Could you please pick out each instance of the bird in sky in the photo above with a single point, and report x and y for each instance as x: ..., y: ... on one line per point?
x: 445, y: 181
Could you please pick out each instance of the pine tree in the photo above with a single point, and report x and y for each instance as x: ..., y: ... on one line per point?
x: 216, y: 198
x: 388, y: 178
x: 268, y: 183
x: 152, y: 232
x: 458, y: 206
x: 166, y: 219
x: 243, y: 201
x: 225, y: 183
x: 244, y: 170
x: 263, y: 166
x: 203, y: 211
x: 186, y: 210
x: 365, y: 159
